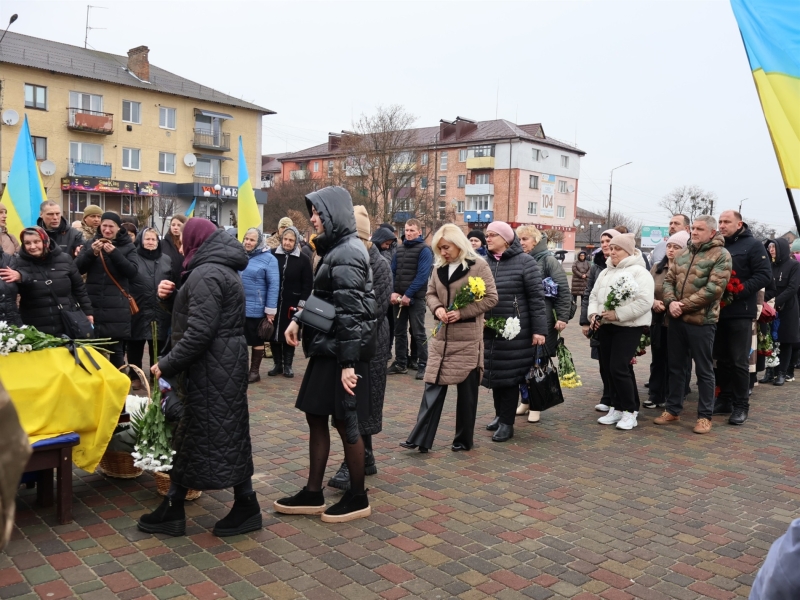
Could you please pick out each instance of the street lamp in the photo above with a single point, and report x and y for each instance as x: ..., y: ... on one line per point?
x: 207, y: 194
x: 10, y: 21
x: 611, y: 181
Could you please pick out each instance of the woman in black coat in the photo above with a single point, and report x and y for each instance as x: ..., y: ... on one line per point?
x: 153, y: 267
x: 786, y: 277
x: 112, y: 310
x: 296, y: 283
x: 9, y: 312
x: 208, y: 361
x: 520, y: 294
x: 42, y: 269
x: 337, y: 381
x: 171, y: 246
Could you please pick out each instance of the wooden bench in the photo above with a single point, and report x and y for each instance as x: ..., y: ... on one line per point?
x: 55, y: 453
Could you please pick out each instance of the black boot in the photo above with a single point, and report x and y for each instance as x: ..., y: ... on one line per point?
x: 370, y: 468
x: 288, y: 357
x: 738, y: 417
x: 245, y: 515
x: 493, y: 424
x: 255, y: 365
x: 504, y: 433
x: 780, y: 379
x: 169, y: 518
x: 768, y: 376
x: 277, y: 356
x: 722, y: 406
x: 351, y: 506
x: 341, y: 481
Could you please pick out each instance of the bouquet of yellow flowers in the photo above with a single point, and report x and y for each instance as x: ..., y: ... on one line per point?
x: 568, y: 376
x: 470, y: 292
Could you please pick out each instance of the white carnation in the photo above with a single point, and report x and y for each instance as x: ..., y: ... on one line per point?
x: 512, y: 328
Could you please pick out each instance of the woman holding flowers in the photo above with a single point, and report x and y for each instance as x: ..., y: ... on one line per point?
x: 619, y: 310
x: 786, y: 279
x: 460, y: 291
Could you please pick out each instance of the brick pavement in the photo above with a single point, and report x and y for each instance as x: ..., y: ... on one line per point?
x: 567, y: 509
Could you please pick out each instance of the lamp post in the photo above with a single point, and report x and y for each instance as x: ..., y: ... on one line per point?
x: 10, y: 21
x: 610, y: 183
x: 207, y: 194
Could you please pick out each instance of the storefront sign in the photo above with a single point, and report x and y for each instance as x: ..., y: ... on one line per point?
x: 93, y: 184
x: 148, y: 188
x: 548, y: 183
x: 226, y: 191
x: 652, y: 235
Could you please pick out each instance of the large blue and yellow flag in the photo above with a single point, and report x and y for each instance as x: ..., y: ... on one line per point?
x: 24, y: 191
x: 249, y: 215
x: 771, y: 34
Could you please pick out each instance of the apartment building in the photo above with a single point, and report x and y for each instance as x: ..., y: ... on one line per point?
x: 122, y: 133
x: 479, y: 171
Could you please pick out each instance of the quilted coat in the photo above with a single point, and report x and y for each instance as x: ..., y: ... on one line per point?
x: 153, y: 267
x: 8, y: 293
x: 209, y: 361
x: 382, y: 283
x: 518, y: 281
x: 786, y: 277
x: 458, y: 347
x: 112, y: 313
x: 580, y: 267
x: 344, y: 279
x: 261, y: 281
x: 562, y: 303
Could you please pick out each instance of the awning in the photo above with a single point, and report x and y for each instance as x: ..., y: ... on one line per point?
x: 211, y: 113
x: 213, y: 156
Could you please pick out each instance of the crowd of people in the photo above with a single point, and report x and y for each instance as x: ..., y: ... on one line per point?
x: 220, y: 306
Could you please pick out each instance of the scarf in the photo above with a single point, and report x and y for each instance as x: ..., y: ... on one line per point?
x: 195, y: 232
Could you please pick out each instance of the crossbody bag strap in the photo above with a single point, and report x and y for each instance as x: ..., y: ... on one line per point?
x: 116, y: 283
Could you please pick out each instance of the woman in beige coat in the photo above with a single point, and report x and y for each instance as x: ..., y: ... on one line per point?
x: 455, y: 354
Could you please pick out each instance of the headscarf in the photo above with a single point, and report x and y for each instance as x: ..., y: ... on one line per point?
x: 44, y: 237
x: 145, y: 253
x: 195, y: 232
x: 259, y: 242
x: 296, y: 250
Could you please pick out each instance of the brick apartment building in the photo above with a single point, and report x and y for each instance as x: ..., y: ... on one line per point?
x: 477, y: 171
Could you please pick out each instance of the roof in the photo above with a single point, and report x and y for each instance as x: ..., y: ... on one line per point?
x: 273, y: 166
x: 39, y: 53
x: 485, y: 131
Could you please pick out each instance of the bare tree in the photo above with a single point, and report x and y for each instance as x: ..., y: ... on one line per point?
x: 287, y: 196
x: 164, y: 207
x: 621, y: 219
x: 689, y: 200
x: 760, y: 231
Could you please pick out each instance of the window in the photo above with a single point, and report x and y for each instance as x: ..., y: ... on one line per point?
x: 131, y: 159
x: 443, y: 162
x: 423, y: 183
x: 565, y: 161
x: 460, y: 206
x: 128, y: 205
x: 316, y: 166
x: 481, y: 179
x: 537, y: 155
x: 208, y: 168
x: 85, y: 102
x: 132, y: 112
x: 86, y: 153
x: 39, y: 147
x: 481, y: 151
x: 442, y: 186
x: 534, y: 182
x: 462, y: 155
x: 561, y: 212
x: 442, y: 209
x: 562, y: 187
x: 78, y: 201
x: 480, y: 202
x: 330, y: 168
x: 166, y: 117
x: 533, y: 208
x: 166, y: 162
x: 462, y: 181
x: 35, y: 96
x: 423, y: 158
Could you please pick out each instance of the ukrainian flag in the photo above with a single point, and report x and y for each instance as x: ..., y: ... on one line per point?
x: 249, y: 215
x: 771, y: 34
x: 24, y: 191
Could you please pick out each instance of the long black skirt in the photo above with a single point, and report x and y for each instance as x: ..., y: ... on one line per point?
x: 322, y: 392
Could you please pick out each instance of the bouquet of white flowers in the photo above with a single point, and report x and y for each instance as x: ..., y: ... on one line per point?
x: 622, y: 290
x: 508, y: 328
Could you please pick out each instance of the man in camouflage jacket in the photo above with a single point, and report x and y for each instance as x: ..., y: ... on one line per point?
x: 693, y: 289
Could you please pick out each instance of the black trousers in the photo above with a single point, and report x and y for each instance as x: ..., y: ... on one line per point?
x: 135, y: 349
x: 430, y: 411
x: 505, y: 403
x: 732, y: 352
x: 785, y: 356
x: 117, y: 350
x: 617, y: 349
x: 699, y: 340
x: 659, y: 365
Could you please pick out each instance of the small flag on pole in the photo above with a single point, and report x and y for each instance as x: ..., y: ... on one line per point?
x: 249, y: 215
x: 24, y: 191
x: 190, y: 211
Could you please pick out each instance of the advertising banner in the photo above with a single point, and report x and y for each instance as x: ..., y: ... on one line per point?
x: 548, y: 183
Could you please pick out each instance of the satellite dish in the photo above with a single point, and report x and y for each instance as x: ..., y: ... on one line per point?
x: 545, y: 154
x: 577, y: 222
x: 570, y: 188
x: 190, y: 160
x: 10, y: 117
x: 48, y: 167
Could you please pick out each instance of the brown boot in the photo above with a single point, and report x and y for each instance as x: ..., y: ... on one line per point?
x: 255, y: 365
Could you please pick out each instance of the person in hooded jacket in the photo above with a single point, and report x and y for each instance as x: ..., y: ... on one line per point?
x: 384, y: 238
x: 68, y: 239
x: 261, y: 281
x: 152, y: 267
x: 9, y: 312
x: 208, y: 362
x: 786, y: 280
x: 520, y: 295
x: 41, y: 271
x: 478, y: 241
x: 580, y: 273
x: 111, y: 246
x: 337, y: 381
x: 8, y: 243
x: 296, y: 281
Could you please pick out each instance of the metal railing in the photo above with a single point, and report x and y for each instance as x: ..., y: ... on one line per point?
x: 211, y: 179
x: 215, y: 140
x: 90, y: 120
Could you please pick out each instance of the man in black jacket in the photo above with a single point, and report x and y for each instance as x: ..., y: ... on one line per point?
x: 68, y: 239
x: 732, y: 343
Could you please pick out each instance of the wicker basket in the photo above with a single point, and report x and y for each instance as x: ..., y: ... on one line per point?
x: 163, y: 483
x: 120, y: 464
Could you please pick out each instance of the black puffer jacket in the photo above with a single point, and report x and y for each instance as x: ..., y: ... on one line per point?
x: 168, y: 248
x: 153, y: 267
x: 67, y: 238
x: 786, y: 276
x: 112, y: 313
x: 8, y: 293
x: 753, y: 267
x: 343, y: 278
x: 37, y: 306
x: 382, y: 283
x: 562, y: 303
x: 517, y: 277
x: 598, y: 265
x: 209, y: 361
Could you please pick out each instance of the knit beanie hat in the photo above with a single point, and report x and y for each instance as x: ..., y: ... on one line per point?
x: 796, y: 245
x: 285, y: 222
x: 679, y: 239
x: 111, y: 216
x: 626, y: 241
x: 612, y: 233
x: 478, y: 234
x: 362, y: 222
x: 92, y: 209
x: 502, y: 229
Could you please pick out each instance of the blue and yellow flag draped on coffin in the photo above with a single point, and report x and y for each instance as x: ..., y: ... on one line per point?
x: 771, y: 34
x: 24, y: 191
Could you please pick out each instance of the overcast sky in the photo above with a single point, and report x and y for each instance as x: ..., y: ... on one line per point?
x: 664, y: 84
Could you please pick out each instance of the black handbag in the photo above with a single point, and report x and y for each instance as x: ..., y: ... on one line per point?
x: 544, y: 388
x: 76, y: 324
x: 317, y: 314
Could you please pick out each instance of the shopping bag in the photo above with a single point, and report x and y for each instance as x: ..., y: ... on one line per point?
x: 544, y: 388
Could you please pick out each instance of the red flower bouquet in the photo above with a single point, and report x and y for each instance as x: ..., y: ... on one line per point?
x: 734, y: 287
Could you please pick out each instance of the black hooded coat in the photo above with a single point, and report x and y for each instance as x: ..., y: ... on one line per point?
x: 208, y: 360
x: 67, y: 238
x: 154, y: 266
x: 786, y: 278
x: 8, y: 292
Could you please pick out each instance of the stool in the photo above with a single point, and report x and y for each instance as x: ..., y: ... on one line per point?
x: 54, y: 453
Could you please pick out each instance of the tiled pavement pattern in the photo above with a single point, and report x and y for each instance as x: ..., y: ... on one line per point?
x: 567, y: 509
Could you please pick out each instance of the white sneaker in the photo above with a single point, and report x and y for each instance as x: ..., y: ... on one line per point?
x: 613, y: 416
x: 636, y: 418
x: 601, y: 407
x: 628, y: 421
x: 534, y: 416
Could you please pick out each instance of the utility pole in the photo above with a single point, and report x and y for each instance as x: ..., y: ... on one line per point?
x: 610, y: 184
x: 740, y: 204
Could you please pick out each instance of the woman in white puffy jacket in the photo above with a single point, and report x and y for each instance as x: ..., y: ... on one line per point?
x: 620, y: 330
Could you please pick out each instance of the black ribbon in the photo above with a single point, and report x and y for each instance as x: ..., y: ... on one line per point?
x: 72, y: 347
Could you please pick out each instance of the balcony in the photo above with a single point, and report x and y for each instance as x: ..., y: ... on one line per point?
x: 210, y: 179
x: 79, y: 168
x: 299, y: 174
x: 403, y: 216
x: 481, y: 162
x: 212, y: 140
x: 405, y: 193
x: 479, y: 189
x: 90, y: 121
x: 266, y: 183
x: 478, y: 216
